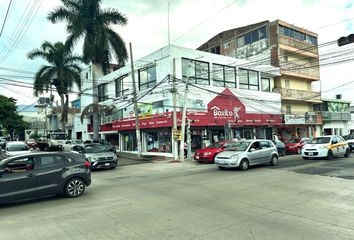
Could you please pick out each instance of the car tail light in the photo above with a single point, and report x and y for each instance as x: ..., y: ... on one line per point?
x: 87, y: 164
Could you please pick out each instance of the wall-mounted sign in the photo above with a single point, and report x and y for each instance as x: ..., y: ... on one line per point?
x: 294, y: 119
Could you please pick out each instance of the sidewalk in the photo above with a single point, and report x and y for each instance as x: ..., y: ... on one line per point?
x: 126, y: 158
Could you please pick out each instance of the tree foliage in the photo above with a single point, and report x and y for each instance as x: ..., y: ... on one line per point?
x: 10, y: 120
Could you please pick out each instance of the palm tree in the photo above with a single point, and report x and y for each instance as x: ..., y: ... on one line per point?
x: 63, y: 72
x: 85, y: 19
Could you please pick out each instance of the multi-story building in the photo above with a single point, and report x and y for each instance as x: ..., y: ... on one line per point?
x: 295, y: 51
x: 336, y: 116
x: 223, y: 99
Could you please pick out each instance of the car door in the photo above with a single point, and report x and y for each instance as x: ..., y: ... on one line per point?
x: 341, y: 145
x: 335, y: 146
x: 18, y: 182
x: 255, y: 154
x: 266, y: 151
x: 49, y: 174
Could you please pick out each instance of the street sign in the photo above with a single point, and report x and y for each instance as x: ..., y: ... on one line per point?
x: 176, y: 134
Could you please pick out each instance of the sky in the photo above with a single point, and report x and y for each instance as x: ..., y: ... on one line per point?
x: 191, y: 23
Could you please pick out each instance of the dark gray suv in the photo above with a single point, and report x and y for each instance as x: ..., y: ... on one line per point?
x: 36, y: 174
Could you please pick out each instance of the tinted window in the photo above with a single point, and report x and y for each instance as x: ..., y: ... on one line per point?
x: 51, y: 161
x: 265, y: 144
x: 20, y: 165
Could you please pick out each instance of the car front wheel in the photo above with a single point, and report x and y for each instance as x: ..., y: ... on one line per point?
x: 75, y: 187
x: 244, y: 165
x: 330, y: 155
x: 347, y: 153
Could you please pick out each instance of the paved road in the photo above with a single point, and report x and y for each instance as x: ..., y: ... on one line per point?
x: 193, y: 201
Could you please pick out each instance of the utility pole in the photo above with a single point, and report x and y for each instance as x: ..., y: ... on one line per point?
x: 189, y: 147
x: 137, y: 124
x: 174, y: 103
x: 184, y: 113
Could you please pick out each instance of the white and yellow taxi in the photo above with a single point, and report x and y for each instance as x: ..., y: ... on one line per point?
x: 325, y: 147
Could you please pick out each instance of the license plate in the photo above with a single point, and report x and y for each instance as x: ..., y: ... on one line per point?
x: 106, y: 164
x: 310, y: 153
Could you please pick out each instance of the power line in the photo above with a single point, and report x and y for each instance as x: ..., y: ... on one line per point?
x: 7, y: 12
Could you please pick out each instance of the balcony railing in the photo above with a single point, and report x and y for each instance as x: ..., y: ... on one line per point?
x: 336, y: 116
x: 298, y: 95
x: 301, y: 70
x: 304, y: 46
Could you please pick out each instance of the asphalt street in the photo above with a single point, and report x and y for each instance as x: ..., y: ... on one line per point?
x: 298, y: 199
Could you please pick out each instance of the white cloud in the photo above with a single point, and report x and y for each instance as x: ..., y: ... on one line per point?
x: 147, y: 28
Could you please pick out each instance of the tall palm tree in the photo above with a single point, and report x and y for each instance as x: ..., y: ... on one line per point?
x: 85, y: 19
x: 63, y: 72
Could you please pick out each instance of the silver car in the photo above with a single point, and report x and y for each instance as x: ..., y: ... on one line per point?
x: 246, y: 153
x: 98, y: 155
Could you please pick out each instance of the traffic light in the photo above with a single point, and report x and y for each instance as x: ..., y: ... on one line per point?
x: 345, y: 40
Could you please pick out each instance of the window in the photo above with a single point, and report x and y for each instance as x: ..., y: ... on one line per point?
x: 122, y: 86
x: 248, y: 79
x: 51, y: 161
x: 287, y: 83
x: 197, y: 71
x: 102, y: 91
x: 265, y: 144
x: 20, y: 165
x: 265, y: 84
x: 147, y: 77
x: 252, y: 37
x: 215, y: 50
x: 117, y: 114
x: 224, y: 76
x: 288, y: 109
x: 297, y: 35
x: 308, y: 86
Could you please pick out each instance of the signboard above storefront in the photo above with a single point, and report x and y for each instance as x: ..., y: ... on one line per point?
x: 294, y: 119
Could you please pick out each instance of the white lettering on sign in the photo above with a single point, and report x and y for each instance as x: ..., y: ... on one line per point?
x: 225, y: 113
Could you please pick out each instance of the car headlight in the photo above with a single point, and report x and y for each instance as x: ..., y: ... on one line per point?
x: 206, y: 153
x: 234, y: 157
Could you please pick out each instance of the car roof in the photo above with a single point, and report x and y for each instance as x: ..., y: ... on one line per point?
x: 15, y: 142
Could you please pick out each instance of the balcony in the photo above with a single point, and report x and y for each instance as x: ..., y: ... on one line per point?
x: 300, y: 47
x: 307, y: 70
x: 336, y: 116
x: 299, y: 95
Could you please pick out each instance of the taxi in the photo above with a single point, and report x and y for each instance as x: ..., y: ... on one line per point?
x: 325, y: 147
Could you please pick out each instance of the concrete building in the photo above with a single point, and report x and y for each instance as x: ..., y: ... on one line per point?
x: 223, y: 101
x: 295, y: 51
x: 336, y: 116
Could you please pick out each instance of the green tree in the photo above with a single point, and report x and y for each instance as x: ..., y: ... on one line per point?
x: 10, y: 120
x: 85, y: 19
x: 63, y: 72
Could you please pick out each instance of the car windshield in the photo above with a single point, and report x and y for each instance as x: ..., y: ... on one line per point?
x: 239, y: 146
x: 294, y: 140
x: 216, y: 145
x: 58, y: 136
x: 320, y: 140
x: 17, y: 147
x: 95, y: 149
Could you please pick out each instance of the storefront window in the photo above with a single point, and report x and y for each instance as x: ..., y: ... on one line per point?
x: 158, y: 141
x: 130, y: 142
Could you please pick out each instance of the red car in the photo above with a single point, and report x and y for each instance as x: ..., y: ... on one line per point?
x: 208, y: 154
x: 295, y: 145
x: 31, y: 143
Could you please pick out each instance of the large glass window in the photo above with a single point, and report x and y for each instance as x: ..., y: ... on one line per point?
x: 297, y: 35
x: 224, y: 76
x: 248, y: 79
x: 130, y: 142
x: 158, y: 141
x: 102, y: 92
x: 197, y: 71
x: 122, y: 86
x: 147, y: 77
x: 252, y: 37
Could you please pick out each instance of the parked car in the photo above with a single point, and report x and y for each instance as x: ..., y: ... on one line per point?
x: 36, y: 174
x: 31, y: 143
x: 295, y: 145
x: 69, y: 144
x: 15, y: 148
x: 98, y: 156
x: 280, y: 147
x: 208, y: 154
x: 246, y: 153
x: 2, y: 143
x: 103, y: 142
x: 350, y: 140
x: 325, y: 147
